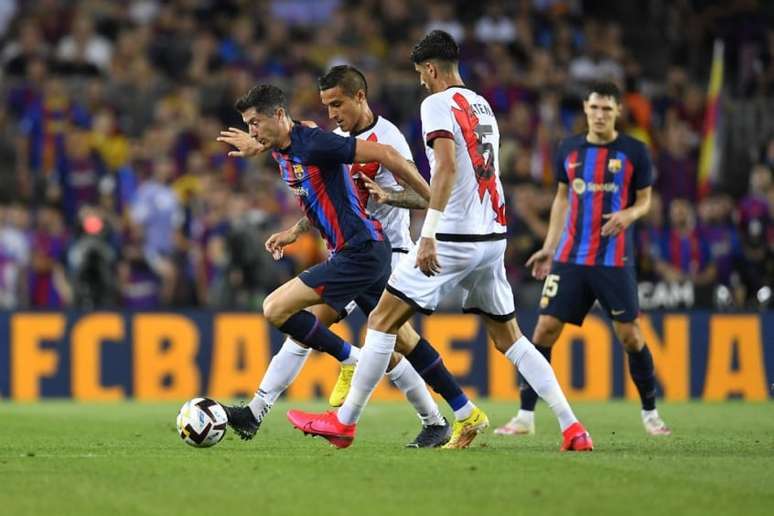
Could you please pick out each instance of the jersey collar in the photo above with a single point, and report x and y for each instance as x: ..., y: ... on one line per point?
x: 366, y: 129
x: 611, y: 142
x: 286, y: 150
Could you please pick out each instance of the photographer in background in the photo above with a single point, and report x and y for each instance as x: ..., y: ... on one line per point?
x: 92, y: 263
x: 248, y: 277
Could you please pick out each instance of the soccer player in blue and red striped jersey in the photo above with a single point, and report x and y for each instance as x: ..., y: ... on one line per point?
x: 313, y: 163
x: 604, y: 186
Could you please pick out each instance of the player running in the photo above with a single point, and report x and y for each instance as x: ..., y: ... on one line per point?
x: 604, y: 187
x: 312, y: 163
x: 344, y: 91
x: 462, y: 244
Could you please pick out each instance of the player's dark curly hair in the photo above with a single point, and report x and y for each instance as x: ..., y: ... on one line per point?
x: 438, y: 45
x: 346, y: 77
x: 604, y: 89
x: 265, y: 98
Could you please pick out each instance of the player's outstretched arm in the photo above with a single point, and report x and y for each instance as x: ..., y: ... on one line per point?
x: 405, y: 198
x: 394, y: 162
x: 620, y: 220
x: 247, y: 146
x: 540, y: 261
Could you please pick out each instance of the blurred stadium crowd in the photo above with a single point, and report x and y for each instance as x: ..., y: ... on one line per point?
x: 114, y: 192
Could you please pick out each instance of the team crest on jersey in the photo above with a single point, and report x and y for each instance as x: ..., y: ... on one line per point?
x: 579, y: 185
x: 614, y: 165
x: 298, y: 171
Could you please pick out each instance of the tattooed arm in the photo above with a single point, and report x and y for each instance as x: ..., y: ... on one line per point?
x: 276, y: 243
x: 406, y: 198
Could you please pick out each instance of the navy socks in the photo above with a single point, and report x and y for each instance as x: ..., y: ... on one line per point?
x: 306, y: 328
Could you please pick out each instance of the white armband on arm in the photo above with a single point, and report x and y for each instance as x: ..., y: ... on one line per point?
x: 431, y: 223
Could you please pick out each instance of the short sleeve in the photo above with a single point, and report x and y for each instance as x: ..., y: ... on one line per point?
x: 643, y: 169
x: 325, y: 147
x: 436, y: 119
x: 559, y: 170
x: 398, y: 141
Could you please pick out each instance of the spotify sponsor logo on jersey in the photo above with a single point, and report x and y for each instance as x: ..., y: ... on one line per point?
x: 580, y: 187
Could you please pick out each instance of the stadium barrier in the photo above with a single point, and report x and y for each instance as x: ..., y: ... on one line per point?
x: 111, y: 356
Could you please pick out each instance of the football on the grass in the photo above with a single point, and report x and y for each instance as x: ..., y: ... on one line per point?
x: 201, y: 422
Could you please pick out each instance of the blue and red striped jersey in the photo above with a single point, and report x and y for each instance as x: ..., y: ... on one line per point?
x: 601, y: 179
x: 314, y: 168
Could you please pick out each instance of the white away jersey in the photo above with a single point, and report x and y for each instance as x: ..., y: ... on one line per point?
x: 395, y: 221
x: 477, y: 205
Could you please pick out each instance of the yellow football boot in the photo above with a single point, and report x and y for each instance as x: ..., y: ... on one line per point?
x: 343, y: 383
x: 466, y: 430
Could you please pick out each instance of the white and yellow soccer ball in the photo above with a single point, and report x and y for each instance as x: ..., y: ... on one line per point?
x: 201, y: 422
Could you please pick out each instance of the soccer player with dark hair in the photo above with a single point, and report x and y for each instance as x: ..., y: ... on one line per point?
x: 604, y: 186
x: 313, y: 164
x: 462, y: 245
x: 344, y: 91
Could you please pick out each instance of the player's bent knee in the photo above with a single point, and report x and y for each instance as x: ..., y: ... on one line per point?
x: 547, y: 331
x: 273, y: 311
x: 380, y: 320
x: 503, y: 333
x: 630, y: 335
x: 389, y: 315
x: 631, y: 340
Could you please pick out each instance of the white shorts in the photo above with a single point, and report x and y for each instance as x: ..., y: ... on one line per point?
x: 397, y: 257
x: 477, y: 268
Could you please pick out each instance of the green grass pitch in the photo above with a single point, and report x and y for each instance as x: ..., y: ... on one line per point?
x: 63, y: 458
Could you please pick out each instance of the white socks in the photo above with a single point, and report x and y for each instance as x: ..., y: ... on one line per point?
x: 464, y: 411
x: 290, y: 359
x: 282, y: 370
x: 526, y: 416
x: 405, y: 378
x: 536, y: 369
x: 374, y: 359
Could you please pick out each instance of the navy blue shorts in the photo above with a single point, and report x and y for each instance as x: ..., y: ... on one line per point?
x: 357, y: 273
x: 570, y: 290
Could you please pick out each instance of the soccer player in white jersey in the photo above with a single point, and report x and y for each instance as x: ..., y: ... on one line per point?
x: 344, y: 92
x: 462, y: 244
